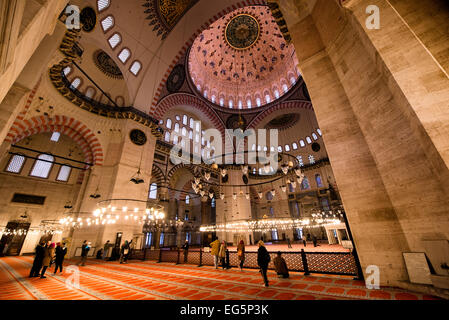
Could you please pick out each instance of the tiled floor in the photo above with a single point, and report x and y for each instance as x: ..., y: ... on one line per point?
x: 153, y: 281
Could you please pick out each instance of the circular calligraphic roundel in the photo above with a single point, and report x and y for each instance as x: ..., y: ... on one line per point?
x: 88, y: 19
x: 176, y: 79
x: 138, y: 137
x: 242, y: 31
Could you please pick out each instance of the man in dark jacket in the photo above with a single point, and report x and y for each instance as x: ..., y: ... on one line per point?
x: 61, y: 251
x: 84, y: 251
x: 263, y: 259
x: 186, y: 250
x: 38, y: 259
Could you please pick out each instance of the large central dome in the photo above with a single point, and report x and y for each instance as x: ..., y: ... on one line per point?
x: 242, y: 60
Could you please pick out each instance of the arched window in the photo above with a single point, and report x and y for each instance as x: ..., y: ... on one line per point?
x: 221, y: 102
x: 287, y: 148
x: 114, y: 40
x: 305, y: 184
x: 167, y: 136
x: 184, y: 120
x: 55, y: 136
x: 319, y: 132
x: 16, y: 164
x: 187, y: 199
x: 279, y: 149
x: 67, y: 71
x: 213, y: 203
x: 314, y: 136
x: 309, y: 141
x: 205, y: 93
x: 191, y: 123
x: 318, y: 180
x: 153, y: 191
x: 175, y: 139
x: 124, y: 55
x: 240, y: 104
x: 135, y: 68
x: 276, y: 94
x: 103, y: 5
x: 302, y: 143
x: 231, y: 104
x: 213, y: 98
x: 292, y: 80
x: 285, y: 88
x: 248, y: 103
x: 268, y: 98
x: 258, y: 102
x: 295, y: 146
x: 107, y: 23
x: 184, y: 131
x: 168, y: 124
x: 64, y: 173
x: 75, y: 83
x: 42, y: 167
x: 177, y: 127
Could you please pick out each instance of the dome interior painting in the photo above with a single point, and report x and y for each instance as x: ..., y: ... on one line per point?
x: 242, y: 60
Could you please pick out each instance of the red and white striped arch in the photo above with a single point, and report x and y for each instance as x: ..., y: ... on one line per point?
x: 71, y: 127
x: 183, y: 99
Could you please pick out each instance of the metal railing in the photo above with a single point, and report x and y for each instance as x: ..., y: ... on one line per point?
x: 338, y: 263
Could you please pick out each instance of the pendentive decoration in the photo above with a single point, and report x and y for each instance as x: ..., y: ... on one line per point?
x: 105, y: 63
x: 242, y: 31
x: 138, y: 137
x: 176, y: 79
x: 88, y: 19
x: 165, y: 14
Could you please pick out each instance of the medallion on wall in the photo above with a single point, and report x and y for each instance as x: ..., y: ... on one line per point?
x: 138, y: 137
x: 105, y: 63
x: 88, y: 19
x: 176, y: 79
x: 165, y: 14
x: 242, y: 32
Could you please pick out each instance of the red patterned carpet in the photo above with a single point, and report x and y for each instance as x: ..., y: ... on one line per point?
x: 153, y: 281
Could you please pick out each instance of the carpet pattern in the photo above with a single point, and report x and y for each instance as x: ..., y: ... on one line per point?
x: 164, y: 281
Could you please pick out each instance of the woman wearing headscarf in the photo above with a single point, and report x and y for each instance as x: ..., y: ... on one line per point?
x: 241, y: 253
x: 49, y: 254
x: 263, y: 259
x: 60, y: 251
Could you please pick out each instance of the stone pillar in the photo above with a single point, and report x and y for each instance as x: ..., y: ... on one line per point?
x: 122, y: 161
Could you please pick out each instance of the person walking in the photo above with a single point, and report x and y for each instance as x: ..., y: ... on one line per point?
x: 222, y: 254
x: 60, y: 251
x: 186, y: 250
x: 304, y: 240
x: 215, y: 250
x: 49, y: 254
x: 124, y: 252
x: 85, y: 247
x: 38, y: 259
x: 263, y: 259
x: 241, y: 253
x: 106, y: 247
x: 281, y: 266
x: 289, y: 243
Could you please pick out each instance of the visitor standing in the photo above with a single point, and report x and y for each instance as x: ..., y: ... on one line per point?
x: 186, y: 250
x: 106, y: 247
x: 289, y: 243
x: 60, y: 251
x: 314, y: 240
x: 304, y: 240
x: 38, y: 259
x: 222, y: 253
x: 263, y: 259
x: 85, y: 247
x: 215, y: 250
x: 49, y: 254
x: 241, y: 253
x: 281, y: 266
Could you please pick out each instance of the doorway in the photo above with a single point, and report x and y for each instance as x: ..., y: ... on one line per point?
x: 12, y: 242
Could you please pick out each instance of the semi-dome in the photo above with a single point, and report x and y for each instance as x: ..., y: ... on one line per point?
x: 242, y: 60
